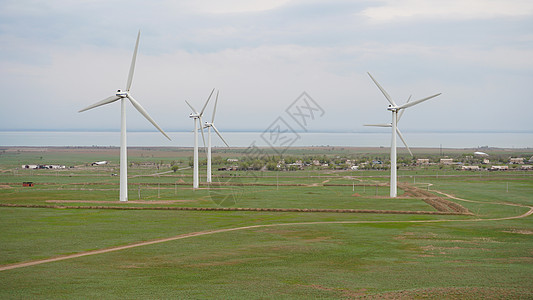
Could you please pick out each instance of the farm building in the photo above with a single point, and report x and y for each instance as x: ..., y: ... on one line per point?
x: 526, y: 167
x: 516, y: 160
x: 422, y: 161
x: 43, y: 167
x: 499, y: 168
x: 470, y: 168
x: 27, y: 184
x: 30, y: 166
x: 55, y: 167
x: 446, y: 161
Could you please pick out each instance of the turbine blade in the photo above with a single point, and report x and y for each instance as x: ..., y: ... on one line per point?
x: 100, y: 103
x: 219, y: 135
x: 383, y: 91
x: 379, y: 125
x: 132, y: 66
x: 406, y: 105
x: 402, y: 111
x: 403, y: 140
x: 145, y: 114
x: 214, y: 109
x: 193, y: 110
x: 205, y: 105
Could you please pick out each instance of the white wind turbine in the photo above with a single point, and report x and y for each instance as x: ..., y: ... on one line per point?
x: 197, y: 118
x: 209, y: 126
x: 394, y: 108
x: 122, y: 96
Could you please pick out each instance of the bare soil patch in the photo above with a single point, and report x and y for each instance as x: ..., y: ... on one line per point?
x: 439, y: 203
x: 346, y: 293
x: 519, y: 231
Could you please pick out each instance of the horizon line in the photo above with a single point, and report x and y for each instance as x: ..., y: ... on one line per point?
x: 261, y: 131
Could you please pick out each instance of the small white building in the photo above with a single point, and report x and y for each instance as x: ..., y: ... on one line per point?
x: 499, y: 168
x: 422, y: 161
x: 43, y: 167
x: 30, y: 166
x: 470, y: 168
x: 516, y: 160
x: 526, y: 167
x: 446, y: 161
x: 56, y: 167
x: 354, y: 168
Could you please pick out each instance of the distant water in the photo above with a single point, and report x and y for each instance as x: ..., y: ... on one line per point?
x: 245, y: 139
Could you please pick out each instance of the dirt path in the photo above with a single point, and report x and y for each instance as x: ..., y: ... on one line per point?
x: 318, y: 184
x: 200, y: 233
x: 528, y: 213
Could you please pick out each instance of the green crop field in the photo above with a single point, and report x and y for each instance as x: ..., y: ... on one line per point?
x: 220, y: 251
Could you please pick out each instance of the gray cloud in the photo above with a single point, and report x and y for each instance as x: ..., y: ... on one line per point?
x: 59, y: 56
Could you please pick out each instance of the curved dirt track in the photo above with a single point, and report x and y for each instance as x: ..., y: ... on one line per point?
x: 200, y: 233
x: 528, y: 213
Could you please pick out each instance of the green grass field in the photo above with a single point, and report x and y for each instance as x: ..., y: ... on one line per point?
x: 286, y: 255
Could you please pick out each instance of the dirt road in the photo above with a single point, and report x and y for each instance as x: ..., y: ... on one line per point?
x: 200, y: 233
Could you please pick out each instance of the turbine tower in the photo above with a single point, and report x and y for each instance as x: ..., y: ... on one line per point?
x: 394, y: 108
x: 209, y: 126
x: 197, y: 119
x: 122, y: 96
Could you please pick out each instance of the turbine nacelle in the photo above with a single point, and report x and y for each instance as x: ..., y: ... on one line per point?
x: 393, y: 108
x: 121, y: 94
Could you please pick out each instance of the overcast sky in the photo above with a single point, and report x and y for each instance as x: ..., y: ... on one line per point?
x: 58, y: 56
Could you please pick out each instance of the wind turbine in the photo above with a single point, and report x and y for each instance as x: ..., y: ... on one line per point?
x: 209, y: 126
x: 122, y: 96
x: 394, y: 108
x: 197, y: 118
